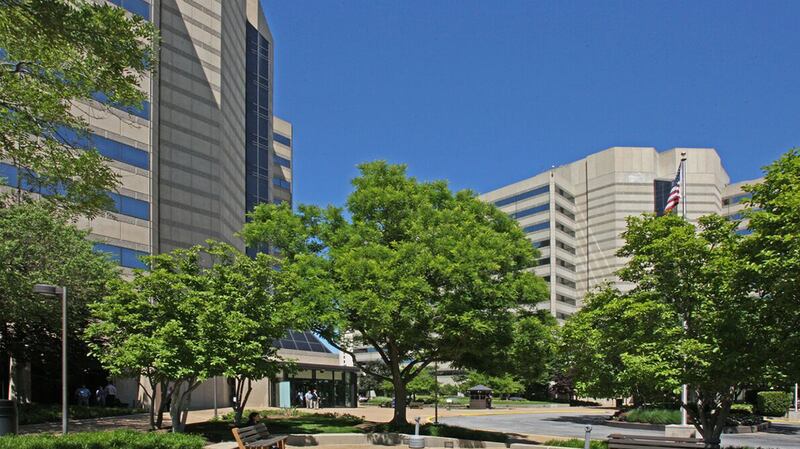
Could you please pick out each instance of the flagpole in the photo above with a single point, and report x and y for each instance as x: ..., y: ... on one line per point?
x: 684, y: 387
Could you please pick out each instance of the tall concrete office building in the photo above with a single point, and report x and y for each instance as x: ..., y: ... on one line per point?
x: 195, y: 157
x: 575, y: 214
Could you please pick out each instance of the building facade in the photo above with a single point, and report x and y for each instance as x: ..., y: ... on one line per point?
x: 195, y: 157
x: 575, y: 214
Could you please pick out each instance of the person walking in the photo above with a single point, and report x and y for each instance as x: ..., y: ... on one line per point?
x: 315, y: 397
x: 111, y: 394
x: 83, y: 394
x: 300, y: 398
x: 309, y: 399
x: 100, y: 397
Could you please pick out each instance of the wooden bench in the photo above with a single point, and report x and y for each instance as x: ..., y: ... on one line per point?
x: 257, y: 437
x: 619, y: 441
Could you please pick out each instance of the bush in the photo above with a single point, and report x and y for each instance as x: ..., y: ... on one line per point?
x: 652, y: 416
x: 773, y: 403
x: 39, y: 413
x: 122, y: 439
x: 379, y: 400
x: 578, y: 443
x: 741, y: 409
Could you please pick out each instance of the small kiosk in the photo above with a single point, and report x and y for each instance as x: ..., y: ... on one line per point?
x: 479, y: 397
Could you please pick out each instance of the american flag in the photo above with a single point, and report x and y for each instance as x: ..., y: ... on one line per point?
x: 675, y: 192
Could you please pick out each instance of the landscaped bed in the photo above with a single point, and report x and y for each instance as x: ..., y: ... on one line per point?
x: 121, y: 439
x: 40, y: 413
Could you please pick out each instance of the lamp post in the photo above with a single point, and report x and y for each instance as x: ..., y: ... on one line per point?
x: 436, y: 393
x: 54, y: 291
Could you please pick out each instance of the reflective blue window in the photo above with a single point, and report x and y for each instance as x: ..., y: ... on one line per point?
x: 138, y: 7
x: 142, y: 111
x: 280, y: 138
x: 744, y: 231
x: 282, y: 161
x: 107, y: 147
x: 536, y: 227
x: 125, y: 257
x: 522, y: 196
x: 736, y: 199
x: 132, y: 207
x: 531, y: 211
x: 282, y: 183
x: 10, y: 176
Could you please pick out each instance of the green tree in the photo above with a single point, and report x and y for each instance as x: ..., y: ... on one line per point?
x: 38, y: 246
x: 504, y: 385
x: 55, y: 54
x: 418, y: 272
x: 187, y: 321
x: 424, y: 383
x: 690, y: 319
x: 773, y: 251
x: 533, y: 349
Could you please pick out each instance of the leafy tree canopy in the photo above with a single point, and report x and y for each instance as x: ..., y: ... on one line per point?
x: 773, y: 250
x: 37, y: 246
x: 636, y: 343
x: 55, y: 54
x: 200, y: 312
x: 418, y: 272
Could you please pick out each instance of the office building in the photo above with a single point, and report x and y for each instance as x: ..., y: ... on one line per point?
x: 575, y: 214
x: 199, y: 153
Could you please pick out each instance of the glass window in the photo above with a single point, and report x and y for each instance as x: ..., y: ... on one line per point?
x: 536, y: 227
x: 280, y: 138
x: 282, y: 183
x: 109, y: 148
x: 565, y: 212
x: 566, y: 195
x: 531, y: 211
x: 282, y: 161
x: 522, y: 196
x: 138, y: 7
x: 661, y: 193
x: 125, y: 257
x: 132, y: 207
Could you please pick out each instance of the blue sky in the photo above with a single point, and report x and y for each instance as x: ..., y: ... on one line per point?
x: 484, y: 93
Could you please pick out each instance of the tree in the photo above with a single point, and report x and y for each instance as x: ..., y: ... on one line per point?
x: 417, y: 272
x: 533, y: 349
x: 504, y: 385
x: 690, y: 319
x: 38, y: 246
x: 773, y: 251
x: 187, y: 321
x: 424, y: 383
x: 55, y: 54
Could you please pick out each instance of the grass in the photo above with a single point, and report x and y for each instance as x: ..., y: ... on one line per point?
x: 577, y: 443
x: 121, y: 439
x: 652, y: 416
x: 40, y: 413
x: 301, y: 422
x: 443, y: 430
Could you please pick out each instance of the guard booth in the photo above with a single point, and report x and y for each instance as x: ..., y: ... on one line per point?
x: 479, y: 397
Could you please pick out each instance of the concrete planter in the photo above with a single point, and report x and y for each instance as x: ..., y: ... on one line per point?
x: 747, y: 429
x: 383, y: 439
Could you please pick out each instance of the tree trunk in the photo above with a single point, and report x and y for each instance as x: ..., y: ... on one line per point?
x: 399, y: 421
x: 711, y: 416
x: 244, y: 387
x: 164, y: 394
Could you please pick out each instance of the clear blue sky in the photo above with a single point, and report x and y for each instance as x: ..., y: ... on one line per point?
x: 483, y: 93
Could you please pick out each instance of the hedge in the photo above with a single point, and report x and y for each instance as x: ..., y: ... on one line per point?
x: 120, y: 439
x: 773, y: 403
x: 39, y: 413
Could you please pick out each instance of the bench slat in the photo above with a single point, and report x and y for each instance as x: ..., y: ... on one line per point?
x: 620, y: 436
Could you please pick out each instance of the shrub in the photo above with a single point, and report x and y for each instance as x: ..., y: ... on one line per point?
x: 39, y: 413
x: 773, y: 403
x: 578, y: 443
x: 121, y: 439
x: 652, y: 416
x: 741, y: 409
x: 379, y: 400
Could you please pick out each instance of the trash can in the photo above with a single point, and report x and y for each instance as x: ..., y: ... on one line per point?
x: 8, y: 417
x: 478, y: 397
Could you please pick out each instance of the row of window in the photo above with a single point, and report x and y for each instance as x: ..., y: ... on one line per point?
x: 282, y: 161
x: 138, y: 7
x: 122, y: 204
x: 566, y: 300
x: 125, y: 257
x: 109, y: 148
x: 566, y: 195
x: 565, y: 230
x: 565, y: 247
x: 522, y: 196
x: 280, y: 138
x: 282, y: 183
x: 541, y: 243
x: 562, y: 315
x: 565, y: 264
x: 530, y: 211
x: 565, y: 281
x: 565, y: 212
x: 736, y: 199
x: 143, y: 111
x: 536, y: 227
